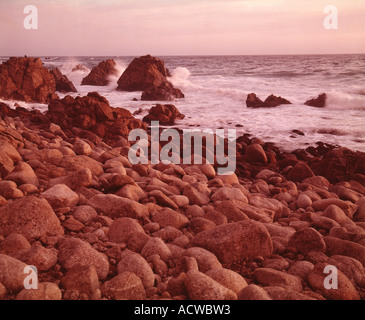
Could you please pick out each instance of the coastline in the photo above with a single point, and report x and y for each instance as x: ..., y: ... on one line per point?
x: 98, y: 227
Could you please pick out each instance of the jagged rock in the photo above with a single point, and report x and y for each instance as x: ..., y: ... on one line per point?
x: 26, y: 79
x: 318, y: 102
x: 63, y: 84
x: 165, y: 114
x: 99, y: 75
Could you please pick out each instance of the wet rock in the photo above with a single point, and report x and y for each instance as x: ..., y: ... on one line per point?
x: 228, y: 278
x: 318, y: 102
x: 63, y: 84
x: 122, y: 228
x: 100, y: 75
x: 163, y: 92
x: 26, y: 79
x: 115, y: 207
x: 22, y: 174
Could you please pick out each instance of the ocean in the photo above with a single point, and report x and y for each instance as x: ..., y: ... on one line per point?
x: 216, y: 88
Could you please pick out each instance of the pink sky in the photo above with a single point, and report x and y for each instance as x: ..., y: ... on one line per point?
x: 181, y: 27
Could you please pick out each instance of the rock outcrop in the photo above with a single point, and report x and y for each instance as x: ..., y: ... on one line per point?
x: 318, y: 102
x: 271, y: 101
x: 63, y: 84
x: 148, y: 74
x: 165, y: 114
x: 99, y: 75
x: 26, y: 79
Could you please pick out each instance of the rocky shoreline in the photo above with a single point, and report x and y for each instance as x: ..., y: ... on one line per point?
x: 97, y: 227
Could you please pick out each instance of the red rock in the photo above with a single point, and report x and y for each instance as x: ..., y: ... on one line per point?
x: 345, y: 290
x: 164, y: 92
x: 253, y: 101
x: 318, y: 102
x: 300, y: 172
x: 246, y: 239
x: 99, y: 75
x: 306, y: 240
x: 92, y: 113
x: 143, y: 73
x: 165, y: 114
x: 26, y: 79
x: 63, y: 84
x: 273, y: 101
x: 255, y: 154
x: 31, y: 217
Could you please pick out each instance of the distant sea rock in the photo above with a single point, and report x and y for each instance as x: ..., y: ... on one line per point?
x: 318, y: 102
x: 99, y: 75
x: 148, y: 74
x: 27, y: 80
x: 79, y: 67
x: 63, y: 84
x: 271, y: 101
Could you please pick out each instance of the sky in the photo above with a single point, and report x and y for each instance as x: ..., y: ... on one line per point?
x: 181, y: 27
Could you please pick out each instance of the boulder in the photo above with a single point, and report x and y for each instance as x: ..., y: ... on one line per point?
x: 60, y: 196
x: 45, y: 291
x: 253, y: 292
x: 63, y: 84
x: 164, y: 114
x: 134, y: 262
x: 300, y: 172
x: 143, y: 73
x: 202, y: 287
x: 116, y: 207
x: 31, y: 217
x: 99, y: 75
x: 318, y: 102
x: 124, y: 286
x: 252, y: 101
x: 26, y: 79
x: 246, y: 239
x: 205, y: 259
x: 92, y: 113
x: 345, y: 290
x: 12, y: 273
x: 255, y: 154
x: 272, y: 101
x: 73, y: 251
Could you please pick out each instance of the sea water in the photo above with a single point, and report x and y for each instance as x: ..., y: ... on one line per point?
x: 216, y: 88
